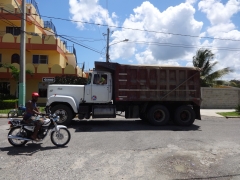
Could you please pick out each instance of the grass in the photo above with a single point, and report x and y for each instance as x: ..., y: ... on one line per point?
x: 4, y: 111
x: 227, y: 114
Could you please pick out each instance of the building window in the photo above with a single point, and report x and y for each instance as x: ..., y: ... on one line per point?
x: 15, y: 58
x: 13, y: 30
x: 42, y: 89
x: 4, y: 88
x: 40, y: 59
x: 100, y: 79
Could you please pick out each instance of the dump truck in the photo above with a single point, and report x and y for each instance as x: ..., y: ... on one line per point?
x: 153, y: 93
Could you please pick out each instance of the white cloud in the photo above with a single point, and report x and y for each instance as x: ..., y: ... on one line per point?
x: 218, y: 13
x: 146, y: 57
x: 191, y: 1
x: 222, y: 27
x: 90, y: 11
x: 146, y: 47
x: 178, y: 20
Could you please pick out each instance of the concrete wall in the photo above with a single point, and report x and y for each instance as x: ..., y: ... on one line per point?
x: 220, y: 98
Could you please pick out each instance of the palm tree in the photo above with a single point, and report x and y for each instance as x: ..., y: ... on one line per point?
x: 202, y: 60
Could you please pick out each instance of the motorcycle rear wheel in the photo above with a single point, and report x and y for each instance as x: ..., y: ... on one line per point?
x: 60, y: 138
x: 12, y: 114
x: 15, y: 131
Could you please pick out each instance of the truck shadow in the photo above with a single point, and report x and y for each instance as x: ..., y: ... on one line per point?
x: 125, y: 125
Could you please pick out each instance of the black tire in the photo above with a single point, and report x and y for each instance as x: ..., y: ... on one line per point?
x: 184, y: 116
x: 15, y: 131
x: 64, y: 112
x: 12, y: 114
x: 60, y: 137
x: 158, y: 115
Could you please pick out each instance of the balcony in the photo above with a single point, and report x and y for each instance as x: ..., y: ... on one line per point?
x: 71, y: 55
x: 34, y: 3
x: 34, y: 41
x: 50, y: 25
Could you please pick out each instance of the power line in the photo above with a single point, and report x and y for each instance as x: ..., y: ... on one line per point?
x: 144, y: 30
x: 183, y: 45
x: 144, y: 42
x: 84, y: 39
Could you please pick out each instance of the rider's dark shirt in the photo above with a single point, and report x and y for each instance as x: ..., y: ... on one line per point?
x: 29, y: 112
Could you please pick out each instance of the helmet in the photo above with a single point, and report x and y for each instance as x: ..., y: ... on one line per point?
x: 35, y: 94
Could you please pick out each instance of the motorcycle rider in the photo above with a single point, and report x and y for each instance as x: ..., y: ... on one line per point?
x: 31, y: 110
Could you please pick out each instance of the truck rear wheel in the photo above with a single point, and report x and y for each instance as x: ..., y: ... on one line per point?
x: 184, y: 116
x: 64, y: 112
x: 158, y: 115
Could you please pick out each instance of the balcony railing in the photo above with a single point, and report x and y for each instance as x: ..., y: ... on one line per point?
x: 34, y: 3
x: 65, y: 43
x: 71, y: 49
x: 49, y: 24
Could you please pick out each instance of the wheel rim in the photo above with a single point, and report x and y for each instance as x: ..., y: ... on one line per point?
x: 16, y: 132
x: 12, y: 114
x: 60, y: 137
x: 159, y: 115
x: 185, y: 115
x: 62, y: 115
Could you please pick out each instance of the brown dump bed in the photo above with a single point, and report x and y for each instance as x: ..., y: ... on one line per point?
x: 153, y: 83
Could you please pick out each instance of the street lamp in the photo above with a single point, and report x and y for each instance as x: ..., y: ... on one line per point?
x: 125, y: 40
x: 107, y: 53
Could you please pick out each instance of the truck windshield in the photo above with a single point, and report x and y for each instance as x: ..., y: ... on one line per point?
x: 89, y: 78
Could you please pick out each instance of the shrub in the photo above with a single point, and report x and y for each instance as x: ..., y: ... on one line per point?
x: 70, y: 79
x: 8, y: 104
x: 7, y: 96
x: 237, y: 109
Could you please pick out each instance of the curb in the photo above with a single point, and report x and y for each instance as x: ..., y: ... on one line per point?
x: 232, y: 117
x: 3, y: 116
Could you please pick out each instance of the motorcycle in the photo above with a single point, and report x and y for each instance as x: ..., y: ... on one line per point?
x: 17, y: 112
x: 20, y: 132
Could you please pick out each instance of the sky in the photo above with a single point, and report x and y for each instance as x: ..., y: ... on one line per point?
x: 157, y: 32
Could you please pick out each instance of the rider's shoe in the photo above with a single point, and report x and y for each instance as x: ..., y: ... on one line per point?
x: 35, y: 139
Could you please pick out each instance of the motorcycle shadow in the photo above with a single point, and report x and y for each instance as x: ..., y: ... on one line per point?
x: 28, y: 150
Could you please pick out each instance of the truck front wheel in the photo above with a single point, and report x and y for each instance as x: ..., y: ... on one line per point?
x: 158, y: 115
x: 184, y: 116
x: 64, y: 112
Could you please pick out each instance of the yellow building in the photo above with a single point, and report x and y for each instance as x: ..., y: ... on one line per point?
x: 46, y: 55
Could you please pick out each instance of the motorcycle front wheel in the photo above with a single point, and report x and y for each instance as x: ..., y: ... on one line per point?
x: 60, y: 138
x: 16, y: 131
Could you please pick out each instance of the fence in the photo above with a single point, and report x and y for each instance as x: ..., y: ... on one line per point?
x: 220, y: 98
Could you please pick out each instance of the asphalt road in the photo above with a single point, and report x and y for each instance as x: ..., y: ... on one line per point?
x: 129, y: 149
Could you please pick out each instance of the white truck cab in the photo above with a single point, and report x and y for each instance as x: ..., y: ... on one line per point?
x: 98, y: 88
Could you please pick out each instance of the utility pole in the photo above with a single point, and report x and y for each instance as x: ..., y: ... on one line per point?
x: 22, y: 77
x: 107, y: 53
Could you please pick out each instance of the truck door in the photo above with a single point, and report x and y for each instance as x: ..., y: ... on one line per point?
x: 101, y: 88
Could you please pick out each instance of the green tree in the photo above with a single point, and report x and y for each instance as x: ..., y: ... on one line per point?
x: 203, y: 60
x: 235, y: 83
x: 70, y: 79
x: 15, y: 72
